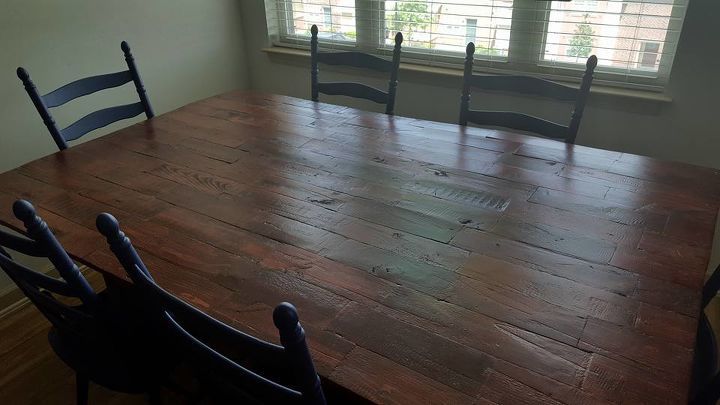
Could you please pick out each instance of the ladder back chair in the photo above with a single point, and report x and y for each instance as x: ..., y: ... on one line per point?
x: 358, y: 60
x: 83, y: 87
x: 525, y: 85
x: 281, y: 373
x: 85, y: 332
x: 706, y: 370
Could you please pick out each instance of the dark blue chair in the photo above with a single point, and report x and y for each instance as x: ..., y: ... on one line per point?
x: 93, y: 336
x: 358, y: 60
x: 83, y: 87
x: 529, y: 85
x: 268, y: 373
x: 706, y: 373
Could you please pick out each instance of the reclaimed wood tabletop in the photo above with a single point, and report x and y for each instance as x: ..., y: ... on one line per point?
x: 430, y: 263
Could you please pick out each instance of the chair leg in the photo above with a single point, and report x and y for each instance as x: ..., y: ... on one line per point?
x: 82, y: 386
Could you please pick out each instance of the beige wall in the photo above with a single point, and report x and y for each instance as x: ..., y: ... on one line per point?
x: 185, y: 50
x: 684, y: 130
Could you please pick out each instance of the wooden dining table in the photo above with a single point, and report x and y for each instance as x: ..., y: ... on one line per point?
x: 430, y: 263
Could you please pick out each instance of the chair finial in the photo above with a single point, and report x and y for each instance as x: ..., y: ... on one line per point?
x: 470, y: 49
x: 108, y: 226
x: 24, y: 211
x: 314, y: 30
x: 125, y: 47
x: 285, y: 318
x: 592, y: 62
x: 23, y: 74
x: 398, y: 38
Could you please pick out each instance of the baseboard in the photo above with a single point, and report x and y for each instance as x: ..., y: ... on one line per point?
x: 11, y: 301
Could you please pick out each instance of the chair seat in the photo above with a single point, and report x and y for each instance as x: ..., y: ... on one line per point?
x: 705, y: 364
x: 116, y: 356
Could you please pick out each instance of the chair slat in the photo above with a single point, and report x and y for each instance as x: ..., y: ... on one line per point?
x: 20, y: 244
x: 240, y: 376
x: 17, y: 271
x: 191, y: 315
x: 101, y: 118
x: 85, y: 86
x: 356, y: 59
x: 358, y: 90
x: 519, y: 121
x: 525, y: 85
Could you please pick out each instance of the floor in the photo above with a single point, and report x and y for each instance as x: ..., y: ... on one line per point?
x: 30, y: 373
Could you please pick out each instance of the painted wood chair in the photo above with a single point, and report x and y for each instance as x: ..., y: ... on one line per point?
x: 83, y: 87
x: 90, y: 333
x: 358, y: 60
x: 281, y: 374
x: 706, y: 372
x: 525, y: 85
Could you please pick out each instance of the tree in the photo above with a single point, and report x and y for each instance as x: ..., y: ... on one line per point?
x: 582, y: 40
x: 409, y: 17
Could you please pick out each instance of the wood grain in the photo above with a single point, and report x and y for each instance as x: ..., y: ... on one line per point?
x: 430, y: 263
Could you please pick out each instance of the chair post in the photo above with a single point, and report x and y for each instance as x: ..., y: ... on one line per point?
x: 582, y: 99
x: 41, y: 108
x: 292, y: 337
x: 467, y: 76
x: 314, y: 63
x: 120, y: 244
x: 137, y: 80
x: 392, y: 86
x: 39, y: 231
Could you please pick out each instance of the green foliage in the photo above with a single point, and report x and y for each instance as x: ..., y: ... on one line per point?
x: 483, y: 50
x: 582, y: 40
x: 409, y: 17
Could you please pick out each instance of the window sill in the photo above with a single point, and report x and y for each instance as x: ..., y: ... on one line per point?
x: 600, y: 90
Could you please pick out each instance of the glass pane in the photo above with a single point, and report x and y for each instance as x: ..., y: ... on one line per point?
x: 449, y: 26
x: 618, y: 32
x: 335, y: 18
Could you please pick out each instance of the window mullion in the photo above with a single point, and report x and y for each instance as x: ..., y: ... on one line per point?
x: 527, y: 33
x: 367, y: 20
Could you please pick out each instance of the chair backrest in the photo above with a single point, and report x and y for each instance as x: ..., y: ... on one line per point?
x: 358, y: 60
x: 189, y: 325
x: 39, y: 287
x: 83, y: 87
x: 525, y: 85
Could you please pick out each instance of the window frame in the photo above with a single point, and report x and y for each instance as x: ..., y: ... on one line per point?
x: 370, y: 39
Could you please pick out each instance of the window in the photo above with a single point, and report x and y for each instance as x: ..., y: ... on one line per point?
x: 470, y: 29
x: 327, y: 13
x: 648, y: 55
x: 634, y: 40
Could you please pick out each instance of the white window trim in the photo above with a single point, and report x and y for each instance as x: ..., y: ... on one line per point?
x: 369, y: 40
